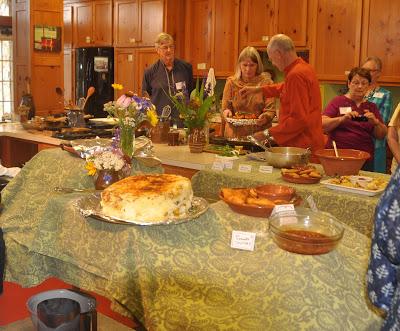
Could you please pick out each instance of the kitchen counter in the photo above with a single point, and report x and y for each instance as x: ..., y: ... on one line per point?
x: 173, y: 156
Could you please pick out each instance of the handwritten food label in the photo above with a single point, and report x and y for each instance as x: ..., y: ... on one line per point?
x: 243, y: 240
x: 344, y: 110
x: 219, y: 166
x: 287, y: 210
x: 286, y: 220
x: 245, y: 168
x: 312, y: 203
x: 266, y: 169
x: 378, y: 95
x: 228, y: 164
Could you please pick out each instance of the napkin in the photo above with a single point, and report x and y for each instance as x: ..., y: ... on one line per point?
x: 9, y: 172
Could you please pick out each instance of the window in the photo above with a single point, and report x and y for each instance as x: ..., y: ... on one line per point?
x: 6, y: 64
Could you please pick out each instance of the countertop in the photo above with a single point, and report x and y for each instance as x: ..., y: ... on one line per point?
x: 178, y: 156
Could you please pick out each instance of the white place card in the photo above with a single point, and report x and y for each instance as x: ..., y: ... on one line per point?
x: 245, y: 168
x: 312, y: 203
x: 243, y: 240
x: 266, y: 169
x: 218, y: 166
x: 284, y: 209
x: 228, y: 164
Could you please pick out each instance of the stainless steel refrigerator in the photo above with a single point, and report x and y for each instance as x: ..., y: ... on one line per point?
x: 95, y: 67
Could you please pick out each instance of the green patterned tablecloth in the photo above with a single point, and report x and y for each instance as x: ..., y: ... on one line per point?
x: 353, y: 209
x: 179, y: 277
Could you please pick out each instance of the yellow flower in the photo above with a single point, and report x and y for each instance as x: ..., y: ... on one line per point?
x: 152, y: 116
x: 117, y: 87
x: 91, y: 169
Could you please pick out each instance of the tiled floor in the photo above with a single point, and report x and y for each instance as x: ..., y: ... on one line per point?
x: 104, y: 323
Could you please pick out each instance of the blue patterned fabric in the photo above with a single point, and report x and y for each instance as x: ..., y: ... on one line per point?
x: 383, y: 275
x: 384, y: 105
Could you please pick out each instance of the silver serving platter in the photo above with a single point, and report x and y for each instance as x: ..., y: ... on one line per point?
x: 89, y: 206
x: 241, y: 121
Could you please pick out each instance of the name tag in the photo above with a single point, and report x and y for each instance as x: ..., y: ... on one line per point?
x: 344, y: 110
x: 243, y: 240
x: 266, y: 169
x: 378, y: 95
x: 245, y: 168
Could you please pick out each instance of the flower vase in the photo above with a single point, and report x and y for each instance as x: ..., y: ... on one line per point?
x: 196, y: 140
x: 105, y: 178
x: 127, y: 140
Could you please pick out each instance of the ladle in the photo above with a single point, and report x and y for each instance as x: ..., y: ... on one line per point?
x: 258, y: 143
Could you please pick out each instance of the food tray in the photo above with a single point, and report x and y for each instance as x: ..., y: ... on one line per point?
x: 300, y: 180
x: 241, y: 121
x: 89, y: 206
x: 355, y: 190
x: 254, y: 210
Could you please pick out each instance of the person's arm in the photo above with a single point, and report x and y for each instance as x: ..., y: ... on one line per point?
x: 380, y: 129
x: 393, y: 142
x: 146, y: 84
x: 269, y: 112
x: 190, y: 83
x: 226, y: 97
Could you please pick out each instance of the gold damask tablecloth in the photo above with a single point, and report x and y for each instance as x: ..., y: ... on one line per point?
x: 179, y: 277
x: 353, y: 209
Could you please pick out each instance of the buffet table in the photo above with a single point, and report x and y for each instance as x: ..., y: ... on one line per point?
x: 353, y: 209
x: 175, y: 277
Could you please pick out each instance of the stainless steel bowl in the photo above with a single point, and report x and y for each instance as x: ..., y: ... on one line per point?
x: 285, y: 157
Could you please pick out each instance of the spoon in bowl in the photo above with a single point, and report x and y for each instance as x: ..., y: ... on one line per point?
x: 335, y: 148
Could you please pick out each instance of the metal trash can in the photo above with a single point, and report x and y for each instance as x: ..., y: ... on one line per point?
x: 63, y: 310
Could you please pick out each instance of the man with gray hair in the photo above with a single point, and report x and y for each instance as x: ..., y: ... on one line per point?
x: 300, y: 119
x: 167, y: 76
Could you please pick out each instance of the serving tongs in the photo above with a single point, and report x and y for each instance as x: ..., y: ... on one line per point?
x: 74, y: 190
x: 259, y: 143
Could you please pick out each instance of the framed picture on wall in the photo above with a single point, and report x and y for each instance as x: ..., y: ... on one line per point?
x: 47, y: 38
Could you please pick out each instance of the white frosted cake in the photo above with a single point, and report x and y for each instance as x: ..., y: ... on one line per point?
x: 150, y: 198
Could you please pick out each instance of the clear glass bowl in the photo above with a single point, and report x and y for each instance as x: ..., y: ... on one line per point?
x: 307, y: 232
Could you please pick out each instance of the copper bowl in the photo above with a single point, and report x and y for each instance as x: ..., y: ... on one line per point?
x: 349, y: 161
x: 275, y: 192
x: 307, y: 232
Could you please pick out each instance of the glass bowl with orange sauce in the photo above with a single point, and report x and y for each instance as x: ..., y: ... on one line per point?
x: 306, y: 232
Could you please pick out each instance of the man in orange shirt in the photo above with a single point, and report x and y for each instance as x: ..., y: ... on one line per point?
x: 300, y: 119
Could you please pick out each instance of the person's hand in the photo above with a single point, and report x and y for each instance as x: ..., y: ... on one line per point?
x: 371, y: 117
x: 227, y: 113
x: 262, y: 119
x: 350, y: 115
x: 248, y: 90
x: 259, y: 135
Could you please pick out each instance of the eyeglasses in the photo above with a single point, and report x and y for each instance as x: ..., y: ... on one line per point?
x: 359, y: 83
x: 165, y: 47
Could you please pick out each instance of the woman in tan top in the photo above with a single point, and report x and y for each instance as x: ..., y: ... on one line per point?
x: 249, y: 69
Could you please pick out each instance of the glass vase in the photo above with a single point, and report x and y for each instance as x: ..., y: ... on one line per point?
x: 127, y: 140
x: 105, y: 178
x: 196, y: 140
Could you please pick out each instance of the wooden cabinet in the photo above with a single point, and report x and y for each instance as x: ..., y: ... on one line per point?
x: 92, y: 23
x: 68, y: 21
x: 130, y: 64
x: 211, y: 35
x: 261, y: 19
x: 336, y: 38
x: 138, y: 22
x: 381, y: 36
x: 43, y: 70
